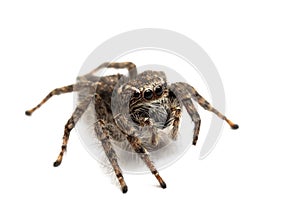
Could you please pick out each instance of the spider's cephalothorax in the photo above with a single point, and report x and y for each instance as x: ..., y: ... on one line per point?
x: 149, y: 104
x: 152, y: 106
x: 126, y: 105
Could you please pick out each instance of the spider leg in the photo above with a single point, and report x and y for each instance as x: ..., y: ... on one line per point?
x: 115, y: 133
x: 104, y: 131
x: 116, y: 65
x: 126, y: 127
x: 185, y: 92
x: 79, y: 110
x: 192, y: 111
x: 58, y: 91
x: 144, y: 155
x: 103, y: 135
x: 175, y: 114
x: 154, y: 136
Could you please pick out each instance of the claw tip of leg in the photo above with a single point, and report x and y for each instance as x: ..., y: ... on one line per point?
x: 56, y: 164
x: 125, y: 189
x: 27, y: 112
x: 163, y: 185
x: 195, y: 139
x: 235, y: 126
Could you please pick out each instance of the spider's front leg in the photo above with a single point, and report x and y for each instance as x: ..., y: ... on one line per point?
x: 138, y: 147
x: 103, y: 132
x: 175, y: 115
x: 185, y: 92
x: 127, y: 127
x: 103, y: 135
x: 192, y: 111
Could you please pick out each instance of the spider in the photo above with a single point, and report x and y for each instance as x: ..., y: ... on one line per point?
x: 126, y: 105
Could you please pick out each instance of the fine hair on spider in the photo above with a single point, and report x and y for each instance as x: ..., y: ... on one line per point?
x: 132, y: 110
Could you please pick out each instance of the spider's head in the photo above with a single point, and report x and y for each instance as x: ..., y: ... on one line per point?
x: 148, y: 102
x: 149, y: 86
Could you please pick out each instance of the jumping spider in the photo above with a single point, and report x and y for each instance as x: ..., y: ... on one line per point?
x: 124, y: 105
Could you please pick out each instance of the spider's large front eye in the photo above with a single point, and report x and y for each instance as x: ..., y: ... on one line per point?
x: 158, y: 91
x: 148, y: 94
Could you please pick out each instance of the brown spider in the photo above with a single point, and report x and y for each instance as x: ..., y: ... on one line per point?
x: 125, y: 105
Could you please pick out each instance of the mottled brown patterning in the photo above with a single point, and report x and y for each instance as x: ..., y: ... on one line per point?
x: 128, y: 108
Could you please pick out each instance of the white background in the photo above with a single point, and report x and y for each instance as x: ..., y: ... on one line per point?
x: 255, y: 46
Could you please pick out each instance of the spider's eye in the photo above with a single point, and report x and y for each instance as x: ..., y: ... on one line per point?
x: 148, y: 94
x: 136, y: 94
x: 158, y: 91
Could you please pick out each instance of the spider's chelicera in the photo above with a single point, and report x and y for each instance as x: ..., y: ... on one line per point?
x: 127, y: 106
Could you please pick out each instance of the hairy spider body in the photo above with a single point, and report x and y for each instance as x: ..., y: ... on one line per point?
x: 128, y: 108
